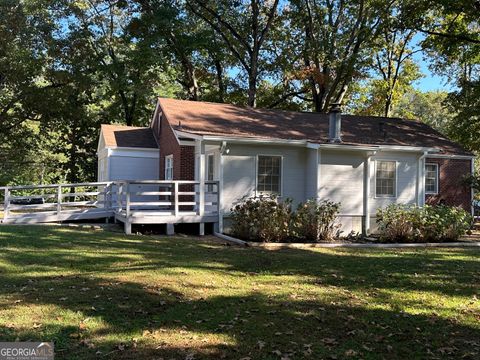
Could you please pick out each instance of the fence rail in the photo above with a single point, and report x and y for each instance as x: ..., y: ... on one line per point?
x: 142, y: 198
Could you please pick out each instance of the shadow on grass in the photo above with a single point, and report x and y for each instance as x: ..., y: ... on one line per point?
x: 301, y: 327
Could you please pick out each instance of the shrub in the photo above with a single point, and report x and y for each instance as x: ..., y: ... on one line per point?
x: 269, y: 220
x: 262, y: 219
x: 316, y: 221
x: 411, y: 223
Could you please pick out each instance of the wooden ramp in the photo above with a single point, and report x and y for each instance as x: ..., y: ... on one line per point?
x: 131, y: 202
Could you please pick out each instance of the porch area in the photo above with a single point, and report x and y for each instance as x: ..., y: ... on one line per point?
x: 130, y: 202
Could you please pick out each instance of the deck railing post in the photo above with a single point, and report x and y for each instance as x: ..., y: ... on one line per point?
x: 201, y: 205
x: 176, y: 208
x: 127, y: 200
x: 120, y: 197
x: 6, y: 204
x: 59, y: 200
x: 108, y: 197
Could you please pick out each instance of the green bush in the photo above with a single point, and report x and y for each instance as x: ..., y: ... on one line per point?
x: 267, y: 219
x: 262, y: 219
x: 316, y: 221
x: 410, y: 223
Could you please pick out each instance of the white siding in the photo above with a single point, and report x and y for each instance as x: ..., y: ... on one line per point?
x: 341, y: 180
x: 240, y: 171
x: 311, y: 174
x: 133, y: 168
x: 406, y: 179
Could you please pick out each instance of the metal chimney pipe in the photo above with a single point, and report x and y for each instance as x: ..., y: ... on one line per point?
x: 335, y: 124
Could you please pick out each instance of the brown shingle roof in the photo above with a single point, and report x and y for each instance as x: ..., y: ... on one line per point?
x: 205, y: 118
x: 128, y: 136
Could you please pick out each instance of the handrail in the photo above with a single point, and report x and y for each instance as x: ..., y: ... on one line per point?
x: 53, y: 186
x: 121, y: 196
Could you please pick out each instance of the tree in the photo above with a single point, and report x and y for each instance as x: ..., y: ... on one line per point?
x: 128, y: 70
x: 393, y: 61
x: 333, y: 37
x: 244, y: 26
x: 453, y: 44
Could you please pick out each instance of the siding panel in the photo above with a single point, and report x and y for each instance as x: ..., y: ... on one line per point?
x: 240, y: 171
x: 341, y: 180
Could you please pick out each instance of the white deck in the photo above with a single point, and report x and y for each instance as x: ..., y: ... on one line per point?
x: 131, y: 202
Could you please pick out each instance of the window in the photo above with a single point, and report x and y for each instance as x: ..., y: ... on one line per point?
x: 431, y: 178
x: 386, y: 179
x: 169, y: 167
x: 269, y: 174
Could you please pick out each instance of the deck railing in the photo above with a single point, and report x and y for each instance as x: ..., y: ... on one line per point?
x: 175, y: 197
x: 52, y: 201
x: 85, y: 200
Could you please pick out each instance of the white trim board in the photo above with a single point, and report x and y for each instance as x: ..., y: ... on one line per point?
x: 453, y: 156
x: 138, y: 152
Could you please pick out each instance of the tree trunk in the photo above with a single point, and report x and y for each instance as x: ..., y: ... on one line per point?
x: 190, y: 79
x: 220, y: 81
x: 388, y: 106
x: 252, y: 84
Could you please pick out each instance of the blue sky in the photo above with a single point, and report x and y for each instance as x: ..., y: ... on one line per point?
x: 430, y: 81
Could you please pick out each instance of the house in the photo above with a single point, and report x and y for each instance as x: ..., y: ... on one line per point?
x: 363, y: 162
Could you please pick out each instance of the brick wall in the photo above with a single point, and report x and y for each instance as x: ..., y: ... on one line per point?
x: 451, y: 189
x: 183, y: 156
x: 187, y: 163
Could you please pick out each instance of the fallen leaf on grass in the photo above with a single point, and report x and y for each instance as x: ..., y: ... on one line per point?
x: 351, y: 352
x: 329, y: 341
x: 36, y: 326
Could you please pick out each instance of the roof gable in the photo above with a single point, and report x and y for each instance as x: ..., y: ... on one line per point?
x: 115, y: 136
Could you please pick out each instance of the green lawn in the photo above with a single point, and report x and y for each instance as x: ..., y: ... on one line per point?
x: 101, y: 294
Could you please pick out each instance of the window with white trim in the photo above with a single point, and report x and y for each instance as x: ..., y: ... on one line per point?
x: 269, y: 173
x: 431, y: 178
x: 169, y: 167
x: 386, y: 178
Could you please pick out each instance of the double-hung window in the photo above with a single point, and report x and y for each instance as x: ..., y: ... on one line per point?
x: 169, y: 167
x: 386, y: 178
x: 431, y: 178
x: 269, y: 174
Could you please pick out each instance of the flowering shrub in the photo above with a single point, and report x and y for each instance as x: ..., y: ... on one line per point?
x: 409, y: 223
x: 316, y: 221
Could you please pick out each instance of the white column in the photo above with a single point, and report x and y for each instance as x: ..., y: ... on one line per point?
x: 220, y: 191
x: 319, y: 173
x: 366, y: 193
x: 421, y: 180
x: 312, y: 174
x: 201, y: 169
